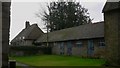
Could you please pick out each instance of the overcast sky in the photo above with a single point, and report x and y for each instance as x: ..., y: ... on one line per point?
x: 25, y: 10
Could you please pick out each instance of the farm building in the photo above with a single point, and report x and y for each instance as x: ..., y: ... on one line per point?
x: 28, y: 35
x: 85, y: 40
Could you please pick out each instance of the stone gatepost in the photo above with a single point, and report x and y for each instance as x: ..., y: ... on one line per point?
x: 111, y: 12
x: 4, y: 32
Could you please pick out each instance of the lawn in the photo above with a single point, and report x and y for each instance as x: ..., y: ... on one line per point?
x: 56, y: 60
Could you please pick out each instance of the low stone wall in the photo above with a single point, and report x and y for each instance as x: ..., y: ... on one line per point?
x: 28, y: 50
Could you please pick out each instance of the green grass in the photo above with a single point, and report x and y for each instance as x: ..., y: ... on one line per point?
x: 55, y: 60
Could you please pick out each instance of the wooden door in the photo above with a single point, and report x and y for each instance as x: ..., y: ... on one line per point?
x: 90, y: 48
x: 69, y: 48
x: 62, y: 48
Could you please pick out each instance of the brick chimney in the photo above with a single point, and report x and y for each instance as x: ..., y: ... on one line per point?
x: 27, y: 24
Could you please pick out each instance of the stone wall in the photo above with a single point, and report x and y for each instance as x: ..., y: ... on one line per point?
x: 112, y: 33
x: 28, y: 42
x: 112, y: 41
x: 0, y: 34
x: 81, y: 50
x: 4, y: 31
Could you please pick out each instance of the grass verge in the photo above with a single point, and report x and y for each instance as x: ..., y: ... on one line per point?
x: 56, y: 60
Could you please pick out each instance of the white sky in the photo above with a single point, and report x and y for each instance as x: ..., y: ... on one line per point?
x: 25, y: 10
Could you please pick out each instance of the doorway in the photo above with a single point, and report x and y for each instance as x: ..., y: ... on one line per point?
x: 90, y: 49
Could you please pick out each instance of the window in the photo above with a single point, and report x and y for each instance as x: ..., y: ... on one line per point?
x: 101, y: 43
x: 78, y: 44
x: 23, y: 37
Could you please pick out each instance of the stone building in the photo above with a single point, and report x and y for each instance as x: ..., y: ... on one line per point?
x: 112, y: 32
x: 85, y: 40
x: 27, y: 36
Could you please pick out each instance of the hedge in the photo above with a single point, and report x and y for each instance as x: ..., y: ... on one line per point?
x: 28, y: 50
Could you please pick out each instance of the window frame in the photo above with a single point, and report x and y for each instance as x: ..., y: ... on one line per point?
x: 79, y: 44
x: 101, y: 43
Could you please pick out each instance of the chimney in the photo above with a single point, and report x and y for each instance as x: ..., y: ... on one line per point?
x: 27, y: 24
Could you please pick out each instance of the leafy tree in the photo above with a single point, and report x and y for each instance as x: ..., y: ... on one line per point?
x: 64, y: 15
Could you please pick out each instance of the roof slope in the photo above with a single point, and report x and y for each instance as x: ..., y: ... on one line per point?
x: 31, y: 33
x: 81, y: 32
x: 111, y: 6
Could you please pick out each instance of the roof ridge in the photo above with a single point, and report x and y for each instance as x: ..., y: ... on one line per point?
x: 79, y: 26
x: 79, y: 32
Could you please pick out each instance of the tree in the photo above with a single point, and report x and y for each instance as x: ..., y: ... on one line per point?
x: 64, y: 15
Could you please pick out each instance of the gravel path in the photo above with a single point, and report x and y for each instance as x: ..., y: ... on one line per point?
x: 20, y: 64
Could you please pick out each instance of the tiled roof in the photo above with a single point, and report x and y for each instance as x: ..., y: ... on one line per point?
x: 80, y: 32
